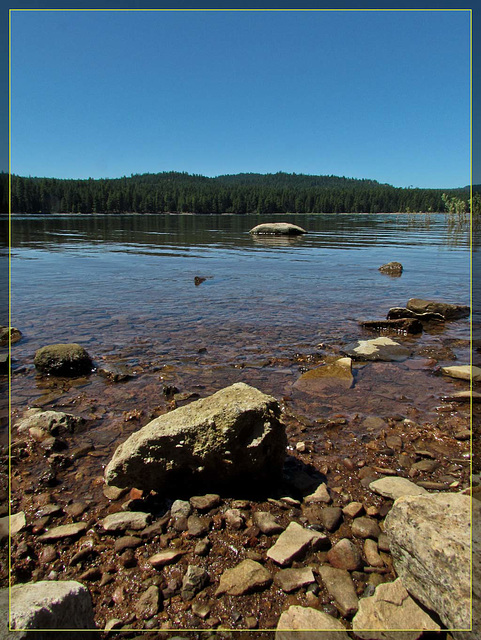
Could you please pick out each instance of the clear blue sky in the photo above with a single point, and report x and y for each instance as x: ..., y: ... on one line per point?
x: 366, y: 94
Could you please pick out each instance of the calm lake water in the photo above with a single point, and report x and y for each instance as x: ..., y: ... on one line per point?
x: 124, y: 287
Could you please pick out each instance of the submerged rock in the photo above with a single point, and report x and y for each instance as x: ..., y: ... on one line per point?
x: 399, y: 326
x: 392, y: 269
x: 463, y: 372
x: 52, y: 422
x: 391, y: 607
x: 448, y: 311
x: 337, y: 374
x: 382, y: 348
x: 232, y: 437
x: 430, y: 541
x: 63, y: 360
x: 278, y: 228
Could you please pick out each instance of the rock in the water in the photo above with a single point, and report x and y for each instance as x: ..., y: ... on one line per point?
x: 125, y: 520
x: 382, y: 348
x: 403, y: 326
x: 395, y: 486
x: 50, y: 605
x: 246, y: 577
x: 463, y: 396
x: 430, y: 541
x: 448, y: 311
x: 115, y: 372
x: 232, y: 436
x: 300, y: 623
x: 344, y: 555
x: 396, y: 313
x: 391, y: 607
x: 63, y: 531
x: 291, y: 579
x: 63, y: 360
x: 391, y: 268
x: 7, y: 335
x: 278, y: 228
x: 341, y: 587
x: 53, y: 422
x: 463, y: 372
x: 329, y: 376
x: 293, y: 542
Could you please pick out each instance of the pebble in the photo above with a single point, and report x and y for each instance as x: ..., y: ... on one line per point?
x: 293, y: 542
x: 383, y: 542
x: 201, y: 610
x: 113, y: 493
x: 128, y: 559
x: 365, y: 528
x: 180, y: 508
x: 266, y: 523
x: 48, y: 555
x: 353, y: 509
x: 245, y: 577
x: 371, y: 553
x: 76, y: 509
x: 49, y: 510
x: 202, y: 547
x: 194, y: 580
x: 395, y: 487
x: 344, y: 555
x: 331, y: 517
x: 198, y: 526
x: 292, y: 579
x: 206, y: 502
x: 234, y: 519
x: 149, y: 602
x: 91, y: 575
x: 394, y: 442
x: 126, y: 542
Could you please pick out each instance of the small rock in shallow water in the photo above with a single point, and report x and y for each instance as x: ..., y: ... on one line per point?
x: 463, y: 372
x: 331, y: 518
x: 391, y: 268
x: 63, y: 360
x: 194, y: 580
x: 353, y: 509
x: 395, y: 486
x: 149, y: 603
x: 165, y: 557
x: 125, y: 520
x: 321, y: 494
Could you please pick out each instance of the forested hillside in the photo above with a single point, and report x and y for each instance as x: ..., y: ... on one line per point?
x: 240, y: 193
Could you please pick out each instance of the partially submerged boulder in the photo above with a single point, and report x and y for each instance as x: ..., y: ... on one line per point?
x: 278, y: 228
x: 382, y: 348
x: 234, y: 437
x: 52, y: 422
x: 448, y: 311
x: 9, y: 335
x: 392, y: 269
x: 463, y: 372
x: 63, y: 360
x: 397, y: 313
x: 401, y: 326
x: 430, y: 541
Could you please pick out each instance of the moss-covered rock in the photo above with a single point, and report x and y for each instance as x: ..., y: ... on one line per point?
x: 63, y: 360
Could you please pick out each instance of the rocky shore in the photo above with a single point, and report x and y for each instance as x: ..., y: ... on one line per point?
x: 231, y: 511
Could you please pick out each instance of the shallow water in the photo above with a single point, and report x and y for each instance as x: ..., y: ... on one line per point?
x: 123, y: 286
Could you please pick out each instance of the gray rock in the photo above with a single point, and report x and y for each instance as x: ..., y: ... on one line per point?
x: 383, y: 348
x: 331, y: 518
x: 390, y: 610
x: 115, y: 372
x: 395, y: 487
x: 165, y: 557
x: 299, y: 623
x: 448, y: 311
x: 430, y: 541
x: 371, y: 552
x: 63, y: 360
x: 353, y: 509
x: 341, y: 587
x: 198, y: 527
x: 400, y: 326
x: 194, y: 580
x: 463, y: 372
x: 365, y: 528
x: 234, y: 435
x: 266, y: 523
x: 53, y: 422
x: 49, y: 605
x: 344, y: 555
x: 293, y: 543
x: 234, y: 519
x: 291, y: 579
x: 391, y: 268
x: 180, y: 508
x: 246, y: 577
x: 149, y: 603
x: 63, y: 531
x: 277, y: 228
x: 11, y: 336
x: 123, y: 520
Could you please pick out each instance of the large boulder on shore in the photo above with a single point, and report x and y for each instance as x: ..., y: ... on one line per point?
x: 234, y: 437
x: 430, y: 541
x: 448, y: 311
x: 278, y: 228
x: 45, y: 605
x: 63, y: 360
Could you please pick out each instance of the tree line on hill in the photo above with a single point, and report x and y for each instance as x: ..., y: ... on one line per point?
x: 177, y: 192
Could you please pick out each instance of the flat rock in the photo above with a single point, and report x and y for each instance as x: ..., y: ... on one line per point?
x: 334, y: 375
x: 123, y: 520
x: 63, y: 360
x: 49, y: 604
x: 397, y: 313
x: 17, y: 524
x: 51, y: 422
x: 198, y: 526
x: 364, y: 527
x: 180, y: 509
x: 205, y: 503
x: 194, y: 580
x: 165, y: 557
x: 294, y: 542
x: 291, y: 579
x: 344, y: 555
x: 299, y: 623
x: 430, y: 542
x: 148, y: 603
x: 232, y: 436
x: 371, y: 552
x: 331, y: 518
x: 246, y: 577
x: 400, y: 326
x: 63, y: 531
x: 321, y: 494
x: 277, y: 228
x: 462, y: 372
x: 395, y: 486
x: 266, y: 523
x: 448, y: 311
x: 341, y: 587
x: 391, y: 607
x: 383, y: 348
